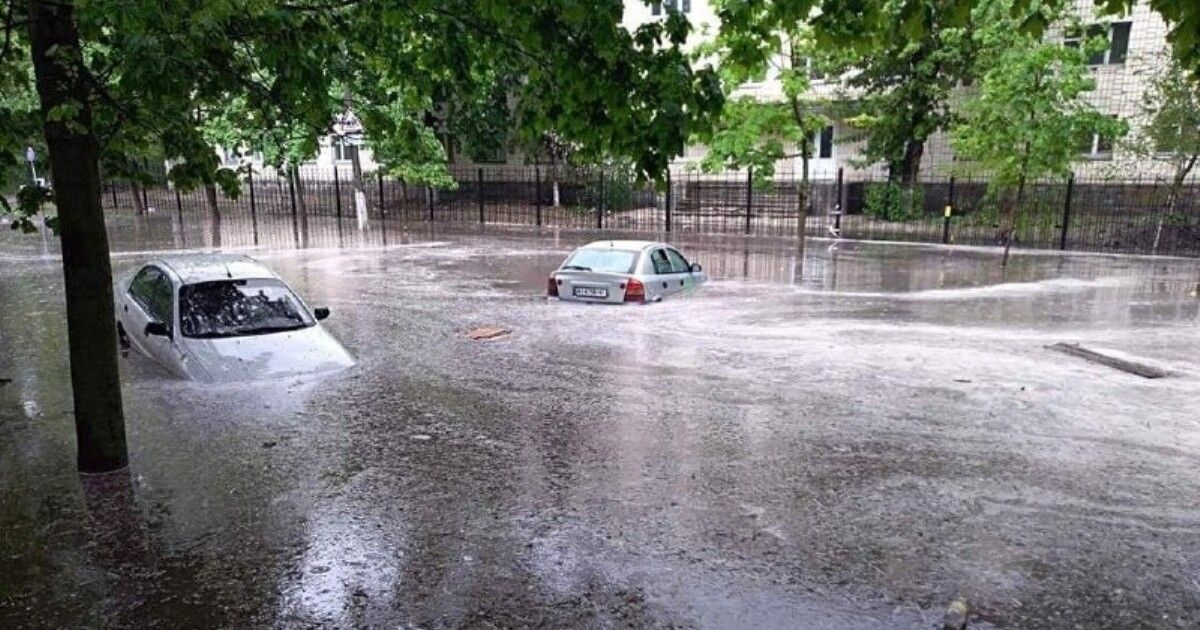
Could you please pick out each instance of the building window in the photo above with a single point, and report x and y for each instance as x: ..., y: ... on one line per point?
x: 1115, y: 33
x: 1097, y: 146
x: 343, y: 150
x: 684, y: 6
x: 824, y: 142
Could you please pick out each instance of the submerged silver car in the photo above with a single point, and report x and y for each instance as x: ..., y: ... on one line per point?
x: 214, y: 317
x: 623, y: 271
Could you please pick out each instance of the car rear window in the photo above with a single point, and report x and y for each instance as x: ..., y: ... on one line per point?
x: 611, y: 260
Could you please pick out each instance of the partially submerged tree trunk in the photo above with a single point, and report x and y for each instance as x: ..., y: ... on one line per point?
x: 1010, y: 221
x: 87, y: 273
x: 301, y: 203
x: 214, y: 212
x: 139, y: 203
x: 360, y: 191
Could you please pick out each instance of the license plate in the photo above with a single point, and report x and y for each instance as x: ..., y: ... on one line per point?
x: 590, y: 292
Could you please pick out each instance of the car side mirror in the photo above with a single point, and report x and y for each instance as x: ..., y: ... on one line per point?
x: 696, y: 267
x: 157, y: 329
x: 321, y: 312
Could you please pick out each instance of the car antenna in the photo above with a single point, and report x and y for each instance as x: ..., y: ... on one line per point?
x: 228, y: 273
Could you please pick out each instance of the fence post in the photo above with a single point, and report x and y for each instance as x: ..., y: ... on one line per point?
x: 479, y: 193
x: 253, y: 207
x: 537, y: 193
x: 179, y: 214
x: 837, y: 212
x: 668, y: 200
x: 749, y: 195
x: 112, y: 188
x: 1066, y: 218
x: 600, y: 205
x: 946, y: 215
x: 429, y: 201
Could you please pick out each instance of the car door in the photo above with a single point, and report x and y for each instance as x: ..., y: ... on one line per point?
x: 681, y: 271
x: 659, y: 276
x: 150, y: 298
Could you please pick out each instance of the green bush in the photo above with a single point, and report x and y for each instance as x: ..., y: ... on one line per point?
x: 617, y: 194
x: 893, y: 202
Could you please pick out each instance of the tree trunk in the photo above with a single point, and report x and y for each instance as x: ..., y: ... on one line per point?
x: 360, y: 191
x: 214, y: 212
x: 1010, y: 221
x: 301, y: 204
x: 802, y: 199
x: 87, y: 273
x: 139, y: 203
x: 1181, y: 174
x: 910, y: 166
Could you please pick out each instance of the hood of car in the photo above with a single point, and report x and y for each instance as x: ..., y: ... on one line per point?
x: 273, y: 355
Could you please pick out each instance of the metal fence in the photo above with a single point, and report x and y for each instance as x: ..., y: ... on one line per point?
x: 1097, y: 216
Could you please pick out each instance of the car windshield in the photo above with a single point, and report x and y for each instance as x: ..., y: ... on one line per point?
x: 232, y: 308
x: 614, y: 260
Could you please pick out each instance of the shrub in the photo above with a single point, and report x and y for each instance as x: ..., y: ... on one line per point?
x: 893, y: 202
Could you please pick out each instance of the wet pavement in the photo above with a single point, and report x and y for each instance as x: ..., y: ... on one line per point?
x: 848, y: 438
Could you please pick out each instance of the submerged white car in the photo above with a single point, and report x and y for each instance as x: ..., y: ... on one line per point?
x: 213, y: 317
x: 624, y: 271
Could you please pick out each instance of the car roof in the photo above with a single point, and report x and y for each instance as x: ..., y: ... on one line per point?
x: 634, y: 245
x: 192, y: 268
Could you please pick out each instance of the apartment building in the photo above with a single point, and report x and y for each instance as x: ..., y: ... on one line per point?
x: 1135, y: 44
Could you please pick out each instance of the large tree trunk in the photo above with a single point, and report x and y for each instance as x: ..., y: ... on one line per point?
x: 360, y: 191
x: 301, y: 204
x: 139, y: 203
x: 87, y: 274
x: 910, y: 166
x: 214, y: 213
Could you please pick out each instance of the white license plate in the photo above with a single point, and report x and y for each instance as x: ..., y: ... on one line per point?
x: 590, y: 292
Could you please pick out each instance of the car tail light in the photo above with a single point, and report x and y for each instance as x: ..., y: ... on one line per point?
x: 635, y: 291
x: 552, y: 287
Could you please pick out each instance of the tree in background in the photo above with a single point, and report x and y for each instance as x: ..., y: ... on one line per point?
x: 754, y: 133
x: 129, y: 71
x: 1028, y: 116
x: 1169, y: 132
x: 902, y: 84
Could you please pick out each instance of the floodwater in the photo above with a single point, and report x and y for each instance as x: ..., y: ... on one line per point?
x: 852, y: 438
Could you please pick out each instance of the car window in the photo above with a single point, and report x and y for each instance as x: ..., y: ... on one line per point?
x: 613, y: 260
x: 661, y: 263
x: 678, y: 263
x: 151, y: 289
x: 234, y: 308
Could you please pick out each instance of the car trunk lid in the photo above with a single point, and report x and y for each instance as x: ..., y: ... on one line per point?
x: 591, y: 286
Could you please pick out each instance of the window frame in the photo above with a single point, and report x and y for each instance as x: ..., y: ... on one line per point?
x: 824, y: 141
x: 145, y: 302
x: 1075, y: 38
x: 687, y: 266
x: 654, y: 267
x: 340, y: 148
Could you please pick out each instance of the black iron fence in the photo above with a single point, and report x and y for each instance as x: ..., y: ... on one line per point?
x: 1143, y: 216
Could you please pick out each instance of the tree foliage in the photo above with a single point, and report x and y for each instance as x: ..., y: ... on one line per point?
x: 1170, y: 120
x: 754, y: 132
x: 1028, y: 118
x: 903, y: 84
x: 856, y: 23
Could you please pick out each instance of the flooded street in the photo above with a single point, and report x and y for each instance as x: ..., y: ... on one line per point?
x: 851, y: 437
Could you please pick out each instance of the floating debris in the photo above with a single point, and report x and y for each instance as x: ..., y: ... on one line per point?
x: 487, y: 332
x: 1133, y: 367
